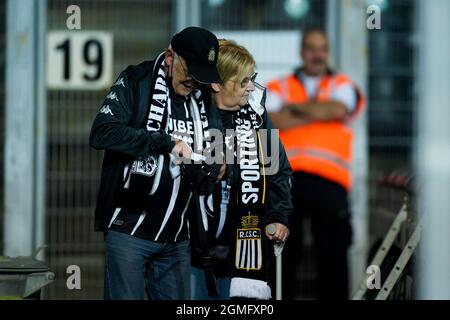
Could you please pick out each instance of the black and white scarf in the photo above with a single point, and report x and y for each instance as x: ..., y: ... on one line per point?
x: 241, y: 206
x: 249, y: 272
x: 144, y: 174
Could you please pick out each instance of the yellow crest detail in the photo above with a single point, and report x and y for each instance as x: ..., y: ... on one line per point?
x: 249, y: 221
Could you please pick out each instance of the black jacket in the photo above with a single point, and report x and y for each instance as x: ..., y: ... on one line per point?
x: 119, y: 129
x: 278, y: 209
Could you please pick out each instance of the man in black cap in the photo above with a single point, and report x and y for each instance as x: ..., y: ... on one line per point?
x: 153, y: 118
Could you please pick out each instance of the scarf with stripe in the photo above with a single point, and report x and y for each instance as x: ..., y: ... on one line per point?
x: 143, y: 176
x: 249, y: 273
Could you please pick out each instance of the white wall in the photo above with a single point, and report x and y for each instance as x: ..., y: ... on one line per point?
x: 433, y: 149
x: 276, y: 52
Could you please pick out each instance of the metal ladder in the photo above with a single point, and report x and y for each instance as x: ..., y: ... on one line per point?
x: 381, y: 254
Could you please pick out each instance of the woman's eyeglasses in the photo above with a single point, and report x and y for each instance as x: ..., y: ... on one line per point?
x: 244, y: 83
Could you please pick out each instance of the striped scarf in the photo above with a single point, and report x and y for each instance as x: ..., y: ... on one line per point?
x: 142, y: 178
x: 250, y: 248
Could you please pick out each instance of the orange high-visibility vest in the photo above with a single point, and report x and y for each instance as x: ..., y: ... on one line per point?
x: 320, y: 148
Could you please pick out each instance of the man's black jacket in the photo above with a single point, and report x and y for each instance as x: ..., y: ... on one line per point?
x: 119, y: 129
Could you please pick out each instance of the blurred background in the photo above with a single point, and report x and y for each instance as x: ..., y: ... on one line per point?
x: 54, y: 79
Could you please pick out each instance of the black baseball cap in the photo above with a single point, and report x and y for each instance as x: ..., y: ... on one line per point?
x: 200, y: 48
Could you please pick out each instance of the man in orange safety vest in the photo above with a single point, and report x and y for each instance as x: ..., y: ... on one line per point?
x: 313, y: 108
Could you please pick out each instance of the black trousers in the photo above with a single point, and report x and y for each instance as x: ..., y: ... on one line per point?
x: 326, y: 204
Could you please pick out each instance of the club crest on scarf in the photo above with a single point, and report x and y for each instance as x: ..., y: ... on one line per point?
x: 145, y: 166
x: 248, y: 244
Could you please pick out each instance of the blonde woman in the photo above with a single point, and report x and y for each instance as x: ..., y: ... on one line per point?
x: 249, y: 197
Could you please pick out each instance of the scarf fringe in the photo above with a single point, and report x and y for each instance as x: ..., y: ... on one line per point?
x: 250, y: 288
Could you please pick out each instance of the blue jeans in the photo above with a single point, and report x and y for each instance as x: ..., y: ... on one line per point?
x: 199, y: 290
x: 135, y: 266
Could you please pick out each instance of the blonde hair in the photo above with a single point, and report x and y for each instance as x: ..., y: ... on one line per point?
x: 234, y: 60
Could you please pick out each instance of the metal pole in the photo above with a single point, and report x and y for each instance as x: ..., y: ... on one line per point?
x: 279, y: 275
x: 19, y: 124
x: 333, y: 18
x: 41, y: 127
x: 352, y: 54
x: 432, y: 155
x: 188, y: 13
x: 277, y: 249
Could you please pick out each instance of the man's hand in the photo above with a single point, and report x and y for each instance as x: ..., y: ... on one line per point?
x: 281, y: 232
x: 181, y: 150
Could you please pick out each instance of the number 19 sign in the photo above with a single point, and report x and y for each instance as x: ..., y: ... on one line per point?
x: 79, y: 60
